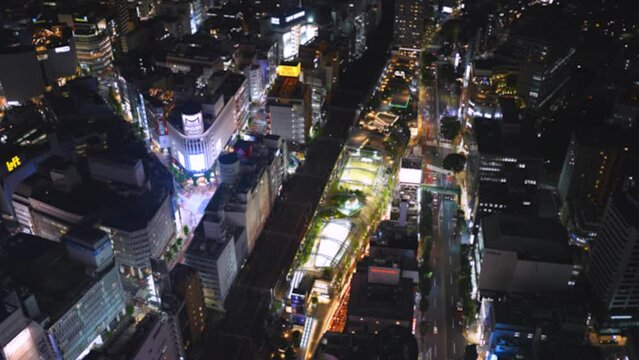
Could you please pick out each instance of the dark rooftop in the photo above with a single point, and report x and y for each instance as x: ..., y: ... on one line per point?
x: 27, y: 258
x: 132, y: 214
x: 490, y: 140
x: 530, y: 237
x: 286, y: 88
x: 393, y: 342
x: 381, y: 301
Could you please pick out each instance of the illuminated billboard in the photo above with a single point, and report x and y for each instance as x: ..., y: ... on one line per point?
x: 289, y: 70
x: 291, y: 42
x: 297, y: 15
x: 307, y: 33
x: 197, y: 162
x: 410, y: 176
x: 193, y: 123
x: 14, y: 163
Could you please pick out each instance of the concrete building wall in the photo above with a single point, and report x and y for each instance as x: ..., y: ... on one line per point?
x: 90, y: 316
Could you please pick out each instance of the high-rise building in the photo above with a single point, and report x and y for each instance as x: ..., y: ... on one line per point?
x: 28, y: 65
x: 92, y: 41
x: 150, y: 338
x: 613, y: 268
x: 189, y: 15
x: 122, y: 20
x: 593, y: 160
x: 289, y: 109
x: 212, y: 254
x: 517, y: 254
x: 80, y: 302
x: 541, y: 43
x: 140, y: 230
x: 508, y: 170
x: 183, y: 301
x: 199, y: 131
x: 409, y: 24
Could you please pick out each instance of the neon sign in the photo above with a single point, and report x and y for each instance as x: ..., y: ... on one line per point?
x: 295, y: 16
x: 13, y: 163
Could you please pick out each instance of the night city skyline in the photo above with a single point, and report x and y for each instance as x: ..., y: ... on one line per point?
x: 319, y: 180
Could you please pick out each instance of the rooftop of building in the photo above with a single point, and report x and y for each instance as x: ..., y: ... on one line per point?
x: 493, y: 64
x: 604, y: 136
x: 286, y: 88
x: 126, y: 344
x: 22, y: 127
x: 230, y: 85
x: 79, y: 97
x: 381, y: 301
x: 83, y: 199
x: 550, y: 24
x: 134, y: 213
x: 552, y: 312
x: 210, y: 248
x: 87, y: 235
x: 7, y: 307
x: 113, y: 157
x: 188, y: 107
x: 195, y: 50
x: 490, y: 140
x: 394, y: 342
x: 531, y: 238
x: 180, y: 274
x: 27, y: 258
x: 305, y: 285
x: 391, y: 235
x: 412, y: 163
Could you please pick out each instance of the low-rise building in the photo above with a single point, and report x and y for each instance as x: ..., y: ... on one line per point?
x: 379, y: 297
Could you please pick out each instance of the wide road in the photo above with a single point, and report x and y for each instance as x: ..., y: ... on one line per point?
x: 446, y: 340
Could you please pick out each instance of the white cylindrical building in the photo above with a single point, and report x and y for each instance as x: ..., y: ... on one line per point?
x: 194, y: 144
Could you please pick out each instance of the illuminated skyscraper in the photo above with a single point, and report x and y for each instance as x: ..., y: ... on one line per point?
x: 93, y: 45
x: 409, y: 24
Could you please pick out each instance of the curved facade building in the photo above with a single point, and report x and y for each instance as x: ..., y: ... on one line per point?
x: 196, y: 141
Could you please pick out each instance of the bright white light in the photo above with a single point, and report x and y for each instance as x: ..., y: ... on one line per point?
x: 410, y: 176
x: 295, y: 16
x: 332, y: 237
x: 621, y: 317
x: 181, y: 158
x: 21, y: 347
x: 197, y: 162
x: 63, y: 49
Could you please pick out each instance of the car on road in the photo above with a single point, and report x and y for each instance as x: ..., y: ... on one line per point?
x: 459, y: 312
x: 435, y: 330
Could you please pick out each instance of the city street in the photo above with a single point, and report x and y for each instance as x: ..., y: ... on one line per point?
x: 445, y: 341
